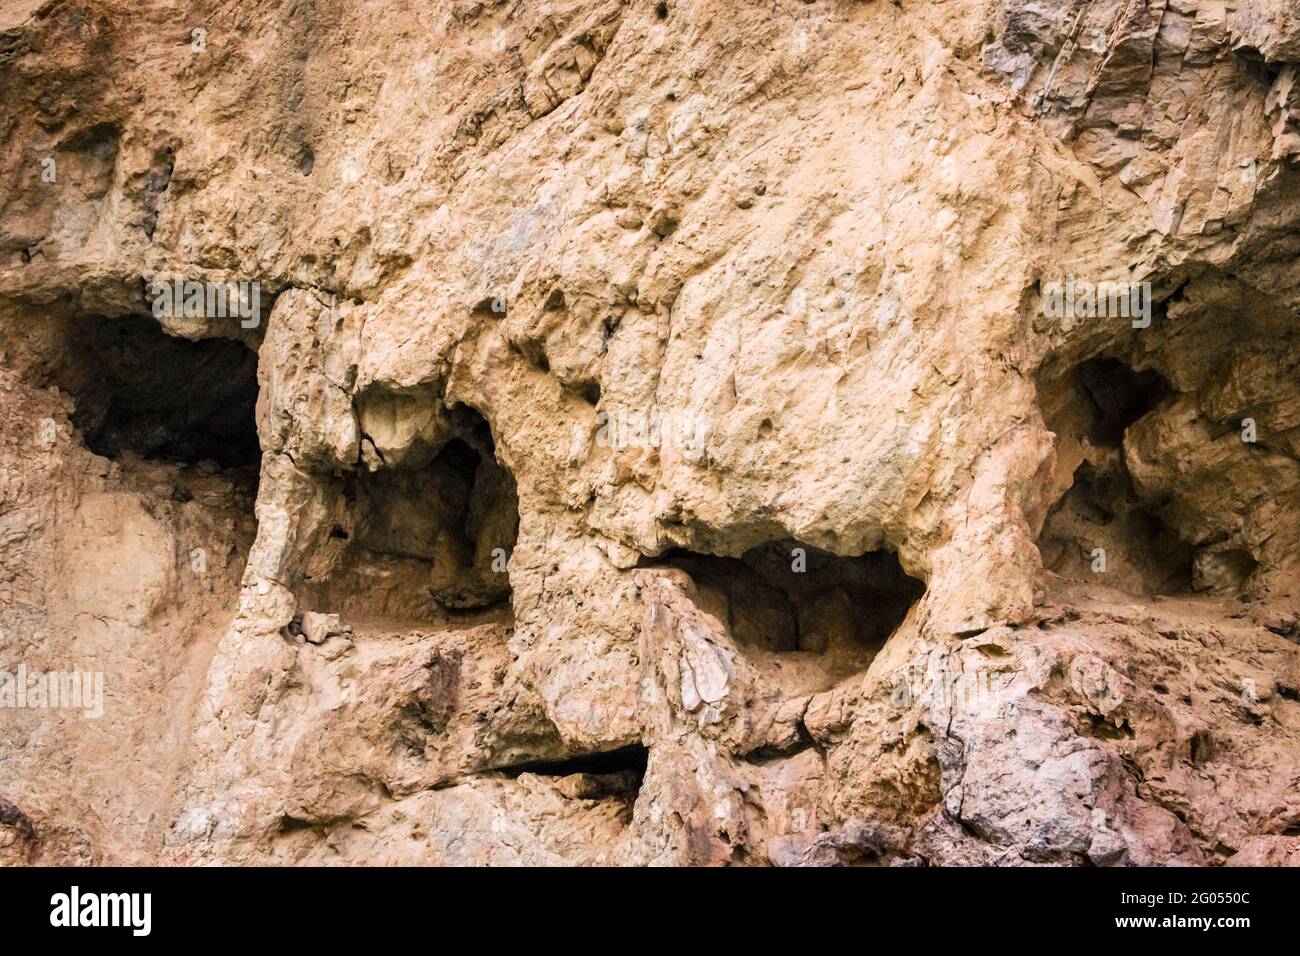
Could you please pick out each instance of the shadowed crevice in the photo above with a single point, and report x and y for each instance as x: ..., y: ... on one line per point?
x: 141, y: 390
x: 787, y: 596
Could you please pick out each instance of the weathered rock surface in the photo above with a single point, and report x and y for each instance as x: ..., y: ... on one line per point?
x: 655, y: 443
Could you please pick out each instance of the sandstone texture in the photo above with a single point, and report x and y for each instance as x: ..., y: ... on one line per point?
x: 654, y: 443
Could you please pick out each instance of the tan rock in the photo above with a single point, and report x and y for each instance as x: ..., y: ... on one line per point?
x: 663, y: 438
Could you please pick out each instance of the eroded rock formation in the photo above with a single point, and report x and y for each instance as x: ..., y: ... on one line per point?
x: 652, y: 440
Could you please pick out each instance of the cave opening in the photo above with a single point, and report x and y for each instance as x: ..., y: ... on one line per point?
x: 139, y: 390
x: 788, y: 597
x: 1117, y: 397
x: 1100, y: 530
x: 428, y: 539
x: 633, y: 759
x: 614, y: 774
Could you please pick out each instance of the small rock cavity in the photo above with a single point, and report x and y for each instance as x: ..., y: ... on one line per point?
x: 790, y: 598
x: 141, y: 390
x: 415, y: 543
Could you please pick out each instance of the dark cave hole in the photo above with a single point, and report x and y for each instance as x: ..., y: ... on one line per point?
x: 1165, y: 558
x: 632, y: 759
x: 1226, y: 570
x: 1096, y: 725
x: 612, y: 774
x: 1119, y: 396
x: 141, y: 390
x: 493, y: 306
x: 585, y: 389
x: 1101, y: 510
x: 1096, y: 496
x: 451, y: 521
x: 305, y: 161
x: 1203, y: 748
x: 460, y: 461
x: 786, y: 596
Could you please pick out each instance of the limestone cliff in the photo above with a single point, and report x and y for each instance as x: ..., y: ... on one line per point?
x: 651, y: 433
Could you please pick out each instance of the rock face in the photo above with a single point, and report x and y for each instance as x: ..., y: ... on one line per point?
x: 796, y: 433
